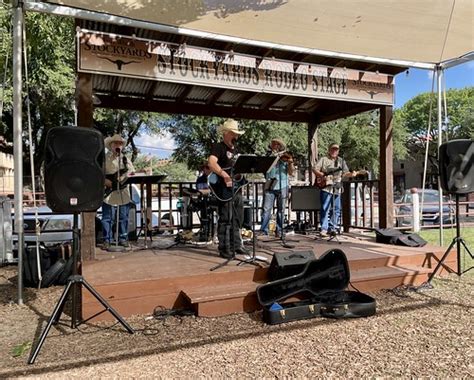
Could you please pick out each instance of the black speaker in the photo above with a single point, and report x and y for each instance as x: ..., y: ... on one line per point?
x: 305, y: 198
x: 286, y: 264
x: 455, y: 166
x: 74, y: 169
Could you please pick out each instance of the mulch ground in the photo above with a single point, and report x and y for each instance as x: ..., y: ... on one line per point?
x: 422, y: 333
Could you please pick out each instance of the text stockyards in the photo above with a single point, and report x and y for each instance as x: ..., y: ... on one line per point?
x: 124, y: 56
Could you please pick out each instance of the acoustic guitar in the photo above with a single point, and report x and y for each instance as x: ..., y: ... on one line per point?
x: 219, y: 188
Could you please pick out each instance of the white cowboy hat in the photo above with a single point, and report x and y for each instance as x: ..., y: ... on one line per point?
x: 115, y: 138
x: 230, y: 125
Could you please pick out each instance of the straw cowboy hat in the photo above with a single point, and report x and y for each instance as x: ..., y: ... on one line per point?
x: 230, y: 125
x: 115, y: 138
x: 280, y: 142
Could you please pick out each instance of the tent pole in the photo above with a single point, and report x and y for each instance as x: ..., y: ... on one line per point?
x: 439, y: 77
x: 17, y: 137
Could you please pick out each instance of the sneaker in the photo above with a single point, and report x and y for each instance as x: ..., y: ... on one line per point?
x: 106, y: 245
x: 124, y: 243
x: 324, y: 234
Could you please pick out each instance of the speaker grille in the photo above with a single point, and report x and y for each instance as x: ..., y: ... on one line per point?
x: 456, y: 171
x: 74, y: 169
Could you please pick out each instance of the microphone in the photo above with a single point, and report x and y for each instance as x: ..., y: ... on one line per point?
x: 118, y: 150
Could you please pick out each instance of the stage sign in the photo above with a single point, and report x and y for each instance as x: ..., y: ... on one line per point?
x: 138, y: 58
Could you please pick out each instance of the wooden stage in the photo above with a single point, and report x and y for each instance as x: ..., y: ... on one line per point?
x: 140, y: 280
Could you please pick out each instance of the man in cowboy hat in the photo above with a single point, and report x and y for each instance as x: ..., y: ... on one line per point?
x: 117, y: 169
x: 276, y: 186
x: 334, y: 169
x: 231, y: 213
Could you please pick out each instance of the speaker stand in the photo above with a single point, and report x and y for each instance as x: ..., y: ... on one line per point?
x: 458, y: 240
x: 73, y: 282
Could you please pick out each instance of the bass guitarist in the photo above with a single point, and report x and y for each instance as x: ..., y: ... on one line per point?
x: 231, y: 212
x: 117, y: 168
x: 329, y: 171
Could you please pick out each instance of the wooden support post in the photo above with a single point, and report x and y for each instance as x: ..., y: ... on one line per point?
x: 85, y: 109
x: 312, y: 159
x: 313, y: 148
x: 386, y: 168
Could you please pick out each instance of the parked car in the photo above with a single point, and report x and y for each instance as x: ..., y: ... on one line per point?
x: 56, y: 228
x: 430, y: 211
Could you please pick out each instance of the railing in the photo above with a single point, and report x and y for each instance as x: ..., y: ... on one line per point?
x: 360, y: 208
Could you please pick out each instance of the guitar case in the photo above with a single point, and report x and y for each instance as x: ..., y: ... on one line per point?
x: 322, y: 287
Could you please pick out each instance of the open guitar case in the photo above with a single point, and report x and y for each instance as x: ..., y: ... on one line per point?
x: 321, y: 288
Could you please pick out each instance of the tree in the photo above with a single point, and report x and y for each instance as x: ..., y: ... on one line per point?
x: 358, y: 137
x: 194, y: 137
x: 50, y: 85
x: 414, y: 116
x: 129, y: 124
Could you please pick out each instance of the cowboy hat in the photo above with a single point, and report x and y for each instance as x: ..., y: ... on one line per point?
x: 334, y: 145
x: 115, y: 138
x: 230, y: 125
x: 280, y: 142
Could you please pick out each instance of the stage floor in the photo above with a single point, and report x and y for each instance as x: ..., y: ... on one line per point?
x: 167, y: 275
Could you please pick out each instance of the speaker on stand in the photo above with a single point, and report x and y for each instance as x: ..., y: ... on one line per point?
x: 456, y: 177
x: 74, y: 182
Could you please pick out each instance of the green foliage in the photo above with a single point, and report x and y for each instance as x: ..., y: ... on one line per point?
x: 20, y: 349
x: 50, y: 84
x: 194, y: 137
x: 129, y: 124
x: 358, y: 137
x: 414, y: 116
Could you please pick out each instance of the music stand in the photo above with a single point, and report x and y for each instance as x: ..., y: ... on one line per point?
x: 145, y: 181
x: 248, y: 164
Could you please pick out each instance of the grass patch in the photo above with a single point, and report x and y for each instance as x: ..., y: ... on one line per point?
x: 467, y: 233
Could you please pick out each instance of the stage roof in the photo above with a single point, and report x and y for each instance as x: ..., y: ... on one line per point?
x: 417, y: 33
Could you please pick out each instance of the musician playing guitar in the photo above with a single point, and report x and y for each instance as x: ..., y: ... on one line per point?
x: 231, y: 213
x: 329, y: 171
x: 116, y: 196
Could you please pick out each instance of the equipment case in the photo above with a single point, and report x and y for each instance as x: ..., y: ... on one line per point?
x: 323, y: 283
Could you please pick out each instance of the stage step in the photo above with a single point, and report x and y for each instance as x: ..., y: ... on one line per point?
x: 214, y: 301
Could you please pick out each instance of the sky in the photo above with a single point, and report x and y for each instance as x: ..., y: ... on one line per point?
x: 407, y: 86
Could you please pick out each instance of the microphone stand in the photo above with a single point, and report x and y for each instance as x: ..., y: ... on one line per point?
x: 117, y: 248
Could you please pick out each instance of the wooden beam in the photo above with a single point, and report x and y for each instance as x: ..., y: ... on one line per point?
x: 85, y: 112
x: 272, y: 101
x: 184, y: 94
x: 386, y: 212
x: 215, y: 96
x: 138, y: 104
x: 245, y: 99
x: 337, y: 110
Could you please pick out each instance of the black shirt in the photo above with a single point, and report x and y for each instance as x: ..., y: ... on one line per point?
x: 224, y: 154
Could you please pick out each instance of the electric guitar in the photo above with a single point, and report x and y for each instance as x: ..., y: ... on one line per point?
x: 321, y: 181
x: 219, y: 188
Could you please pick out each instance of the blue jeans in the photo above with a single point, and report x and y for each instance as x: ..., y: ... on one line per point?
x: 268, y: 202
x: 330, y: 220
x: 108, y: 218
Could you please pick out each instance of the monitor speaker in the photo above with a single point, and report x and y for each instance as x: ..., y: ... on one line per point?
x: 305, y: 198
x: 455, y: 163
x: 74, y: 169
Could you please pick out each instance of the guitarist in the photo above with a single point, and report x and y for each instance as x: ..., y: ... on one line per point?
x: 231, y: 213
x: 116, y: 163
x: 329, y: 171
x: 276, y: 186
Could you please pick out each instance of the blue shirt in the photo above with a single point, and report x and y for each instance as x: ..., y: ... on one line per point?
x: 281, y: 167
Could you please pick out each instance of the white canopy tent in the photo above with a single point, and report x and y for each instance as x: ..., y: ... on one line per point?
x: 427, y: 34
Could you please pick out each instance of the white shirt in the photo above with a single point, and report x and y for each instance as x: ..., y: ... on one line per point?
x: 112, y: 166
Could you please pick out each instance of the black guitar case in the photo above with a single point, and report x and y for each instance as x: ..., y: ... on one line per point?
x: 322, y: 286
